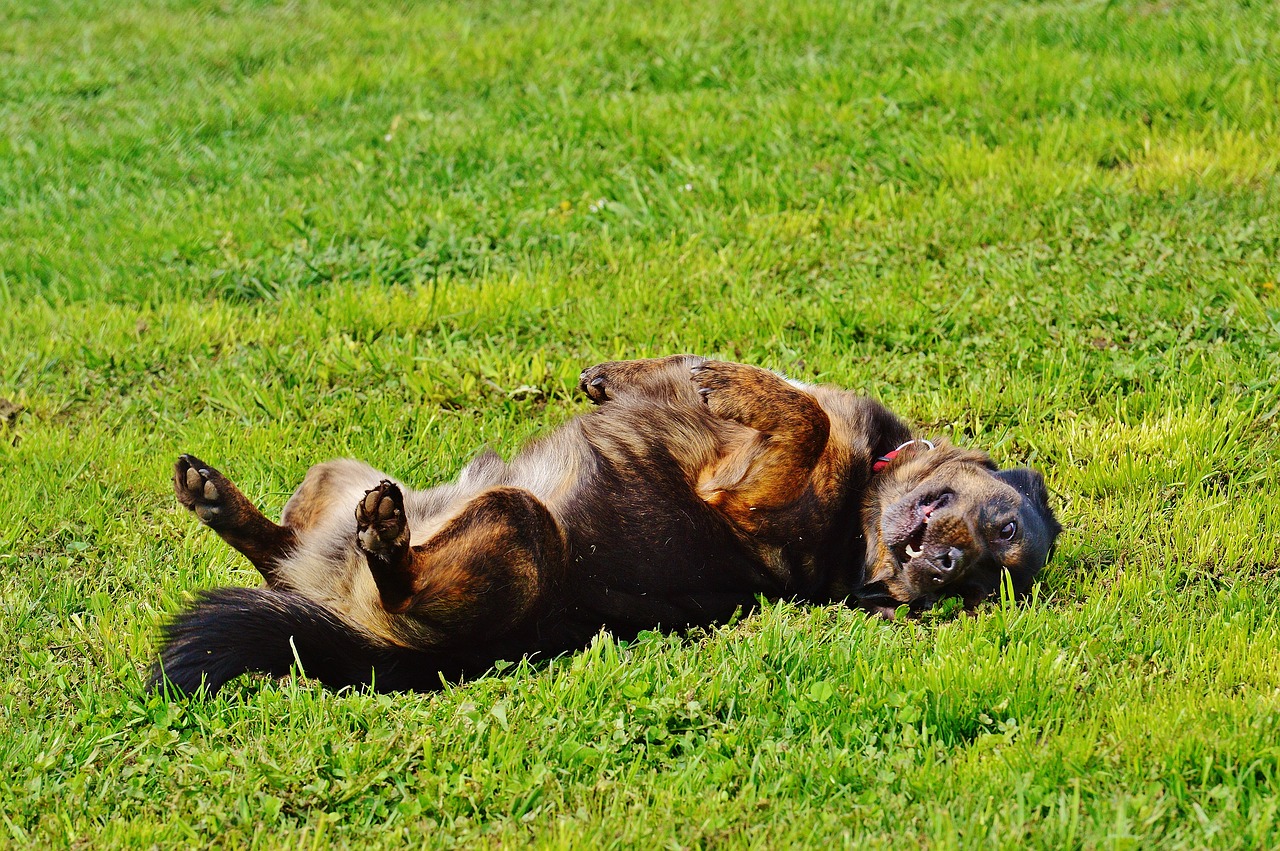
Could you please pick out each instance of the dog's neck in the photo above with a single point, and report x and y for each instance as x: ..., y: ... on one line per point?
x: 887, y: 458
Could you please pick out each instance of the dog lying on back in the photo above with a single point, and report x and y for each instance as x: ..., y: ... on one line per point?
x: 694, y: 488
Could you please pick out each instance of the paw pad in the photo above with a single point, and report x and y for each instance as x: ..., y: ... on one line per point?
x: 194, y: 485
x: 380, y: 521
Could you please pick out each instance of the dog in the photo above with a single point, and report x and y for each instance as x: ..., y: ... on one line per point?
x: 693, y: 489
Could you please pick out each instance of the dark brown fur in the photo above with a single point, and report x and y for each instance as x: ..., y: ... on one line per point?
x: 694, y: 488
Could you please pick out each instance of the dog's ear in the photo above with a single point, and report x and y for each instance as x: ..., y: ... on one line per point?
x: 1031, y: 485
x: 874, y: 598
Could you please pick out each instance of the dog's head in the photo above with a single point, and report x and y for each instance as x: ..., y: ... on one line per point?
x: 945, y: 522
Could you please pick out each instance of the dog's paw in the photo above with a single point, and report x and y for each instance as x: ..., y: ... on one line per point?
x: 381, y: 527
x: 730, y: 389
x: 200, y: 488
x: 758, y: 399
x: 594, y: 383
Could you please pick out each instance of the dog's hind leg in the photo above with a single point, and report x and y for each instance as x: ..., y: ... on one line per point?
x: 221, y: 506
x: 485, y: 569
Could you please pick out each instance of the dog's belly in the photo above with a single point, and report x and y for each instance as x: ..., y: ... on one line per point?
x: 655, y: 555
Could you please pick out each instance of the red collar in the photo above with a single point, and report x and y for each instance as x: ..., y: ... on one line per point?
x: 883, y: 460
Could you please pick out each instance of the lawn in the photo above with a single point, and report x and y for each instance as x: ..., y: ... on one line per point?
x: 275, y: 233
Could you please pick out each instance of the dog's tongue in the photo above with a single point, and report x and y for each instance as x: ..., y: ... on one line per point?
x: 928, y: 508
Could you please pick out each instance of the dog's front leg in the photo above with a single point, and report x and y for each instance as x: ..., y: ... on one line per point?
x: 771, y: 470
x: 650, y: 378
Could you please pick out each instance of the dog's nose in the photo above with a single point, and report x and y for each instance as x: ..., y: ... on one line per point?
x: 949, y: 562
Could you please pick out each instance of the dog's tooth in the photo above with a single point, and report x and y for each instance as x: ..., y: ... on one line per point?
x: 914, y: 553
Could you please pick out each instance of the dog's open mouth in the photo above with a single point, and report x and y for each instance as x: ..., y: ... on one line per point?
x: 911, y: 545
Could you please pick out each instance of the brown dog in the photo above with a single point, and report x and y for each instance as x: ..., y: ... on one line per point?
x: 694, y: 488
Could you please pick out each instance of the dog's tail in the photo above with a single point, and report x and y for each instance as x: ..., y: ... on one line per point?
x: 227, y: 632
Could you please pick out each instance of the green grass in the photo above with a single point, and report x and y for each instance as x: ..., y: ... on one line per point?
x: 274, y: 233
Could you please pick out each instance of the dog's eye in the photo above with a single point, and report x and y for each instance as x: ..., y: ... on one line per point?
x: 1010, y: 529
